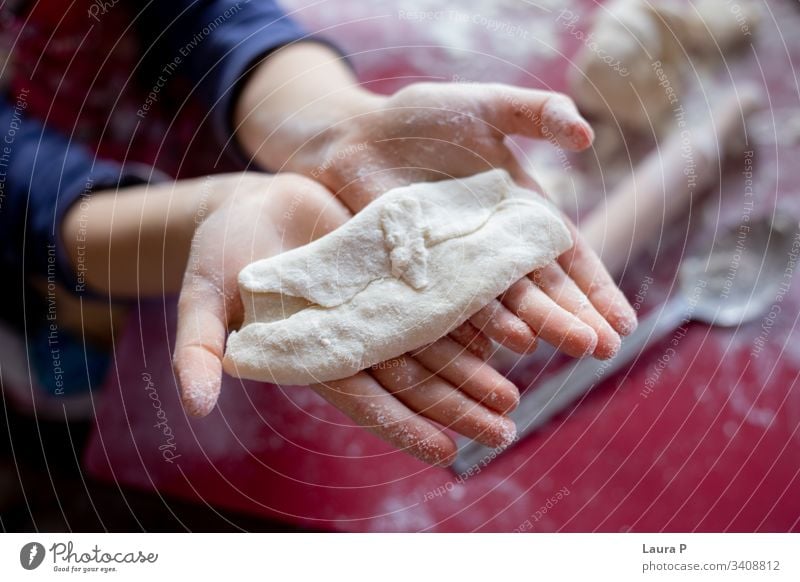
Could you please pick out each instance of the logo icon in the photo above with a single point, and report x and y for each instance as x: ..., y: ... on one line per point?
x: 31, y: 555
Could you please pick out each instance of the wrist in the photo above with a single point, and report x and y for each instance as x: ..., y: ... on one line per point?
x: 286, y: 120
x: 298, y: 142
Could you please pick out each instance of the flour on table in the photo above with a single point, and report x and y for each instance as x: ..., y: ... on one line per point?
x: 405, y: 271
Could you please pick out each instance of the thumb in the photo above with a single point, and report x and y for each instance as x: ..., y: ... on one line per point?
x: 534, y: 113
x: 200, y: 344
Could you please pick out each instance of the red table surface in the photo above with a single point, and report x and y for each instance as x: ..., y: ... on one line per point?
x: 714, y: 447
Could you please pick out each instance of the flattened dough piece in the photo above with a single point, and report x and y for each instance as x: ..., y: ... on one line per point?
x: 408, y: 269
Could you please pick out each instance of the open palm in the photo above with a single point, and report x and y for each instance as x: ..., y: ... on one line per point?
x: 434, y: 131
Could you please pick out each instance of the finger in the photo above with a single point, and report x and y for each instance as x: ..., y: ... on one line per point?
x: 436, y: 399
x: 585, y: 268
x: 499, y: 324
x: 552, y: 323
x: 199, y: 344
x: 471, y: 338
x: 495, y: 320
x: 554, y: 282
x: 469, y: 374
x: 583, y: 265
x: 534, y: 113
x: 362, y: 399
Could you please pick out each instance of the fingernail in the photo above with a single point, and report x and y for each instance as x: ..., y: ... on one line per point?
x: 443, y: 462
x: 571, y: 130
x: 588, y: 134
x: 627, y: 322
x: 581, y: 334
x: 507, y: 433
x: 609, y: 350
x: 509, y: 400
x: 626, y: 327
x: 199, y: 400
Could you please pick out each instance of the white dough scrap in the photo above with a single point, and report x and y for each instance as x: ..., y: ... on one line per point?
x: 406, y: 270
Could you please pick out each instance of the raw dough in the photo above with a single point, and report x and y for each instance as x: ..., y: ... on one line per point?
x: 632, y: 67
x: 405, y: 271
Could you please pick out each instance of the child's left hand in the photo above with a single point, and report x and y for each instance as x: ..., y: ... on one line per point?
x: 258, y: 216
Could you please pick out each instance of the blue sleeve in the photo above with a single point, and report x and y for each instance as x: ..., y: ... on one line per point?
x: 218, y: 42
x: 42, y: 174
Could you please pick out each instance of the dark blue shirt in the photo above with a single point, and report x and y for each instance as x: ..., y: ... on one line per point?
x: 43, y: 173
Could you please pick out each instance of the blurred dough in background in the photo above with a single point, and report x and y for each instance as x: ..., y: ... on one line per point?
x: 645, y: 68
x: 654, y: 47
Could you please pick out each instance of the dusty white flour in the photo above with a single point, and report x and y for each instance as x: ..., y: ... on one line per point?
x: 405, y: 271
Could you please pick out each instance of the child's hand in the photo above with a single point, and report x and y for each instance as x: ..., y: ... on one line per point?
x: 259, y: 216
x: 360, y: 145
x: 434, y: 131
